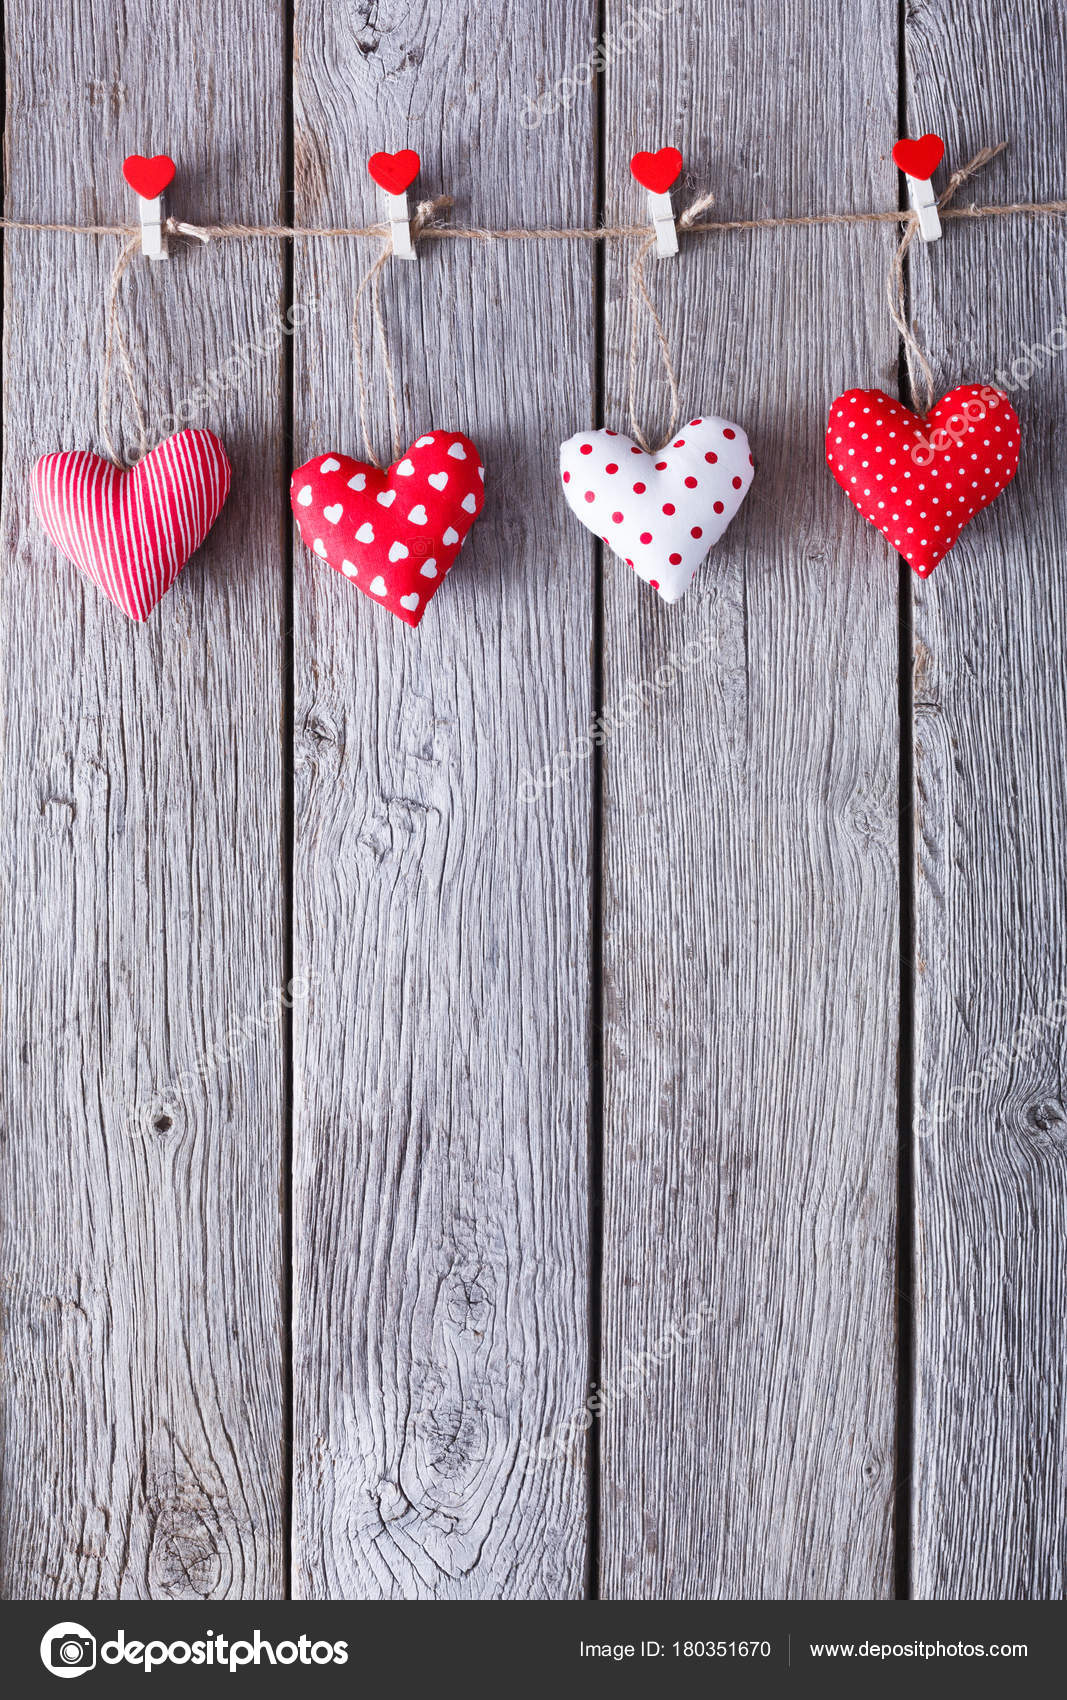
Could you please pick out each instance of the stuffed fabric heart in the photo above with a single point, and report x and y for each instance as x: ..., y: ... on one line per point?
x: 920, y: 480
x: 132, y: 532
x: 393, y: 534
x: 661, y: 512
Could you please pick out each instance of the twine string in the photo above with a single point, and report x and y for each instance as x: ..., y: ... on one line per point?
x: 114, y: 339
x: 920, y: 372
x: 422, y: 221
x: 639, y: 297
x: 373, y: 279
x: 115, y: 342
x: 541, y: 233
x: 425, y: 226
x: 535, y: 233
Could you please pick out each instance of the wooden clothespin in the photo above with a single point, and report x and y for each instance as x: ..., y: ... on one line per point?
x: 150, y: 179
x: 395, y: 173
x: 918, y: 160
x: 656, y: 172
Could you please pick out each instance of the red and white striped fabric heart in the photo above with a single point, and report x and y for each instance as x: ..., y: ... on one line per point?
x: 132, y: 532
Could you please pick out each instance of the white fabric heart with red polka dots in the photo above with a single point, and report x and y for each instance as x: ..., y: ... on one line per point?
x: 660, y: 512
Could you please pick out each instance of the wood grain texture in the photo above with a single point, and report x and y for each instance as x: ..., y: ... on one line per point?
x: 442, y: 1089
x: 440, y: 1069
x: 750, y: 831
x: 990, y: 1455
x: 141, y: 1258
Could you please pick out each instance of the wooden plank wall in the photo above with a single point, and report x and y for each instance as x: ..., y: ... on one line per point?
x: 750, y: 896
x: 990, y: 1455
x: 312, y: 1304
x: 441, y: 1072
x: 143, y: 1386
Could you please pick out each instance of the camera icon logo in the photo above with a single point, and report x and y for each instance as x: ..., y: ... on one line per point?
x: 68, y: 1650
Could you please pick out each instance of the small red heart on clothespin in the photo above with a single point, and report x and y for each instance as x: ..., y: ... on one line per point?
x: 394, y: 172
x: 657, y: 171
x: 148, y: 177
x: 919, y: 158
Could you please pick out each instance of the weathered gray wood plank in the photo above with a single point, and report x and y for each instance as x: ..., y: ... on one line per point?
x: 142, y: 1249
x: 990, y: 1471
x: 750, y: 823
x: 441, y: 1073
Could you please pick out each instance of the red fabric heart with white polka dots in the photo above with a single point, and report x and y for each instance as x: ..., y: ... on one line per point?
x: 660, y: 512
x: 920, y: 480
x: 392, y: 534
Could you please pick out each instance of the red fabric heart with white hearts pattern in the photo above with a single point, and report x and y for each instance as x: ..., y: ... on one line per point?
x: 920, y: 480
x: 392, y: 534
x: 132, y: 532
